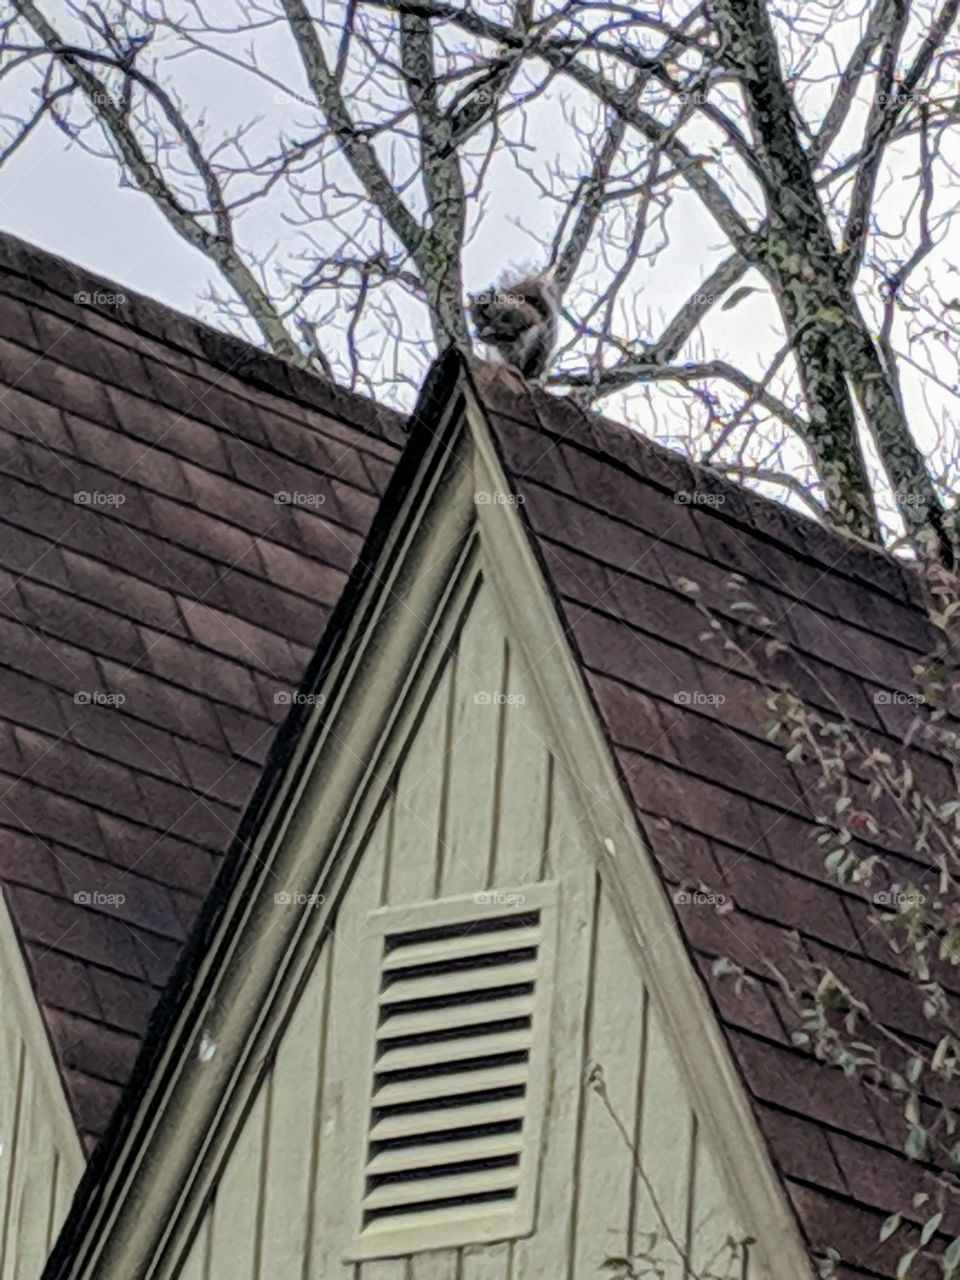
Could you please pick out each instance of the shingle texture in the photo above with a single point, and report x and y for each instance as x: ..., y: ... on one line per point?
x: 158, y: 606
x: 623, y: 528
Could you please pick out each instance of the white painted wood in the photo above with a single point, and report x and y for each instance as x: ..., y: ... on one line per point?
x: 478, y: 779
x: 417, y: 807
x: 234, y: 1244
x: 473, y: 754
x: 491, y: 1262
x: 602, y: 1218
x: 547, y: 1251
x: 294, y: 1132
x: 502, y: 1144
x: 435, y: 1264
x: 388, y: 1269
x: 523, y: 798
x: 437, y: 1052
x: 458, y: 948
x: 345, y: 1103
x: 193, y: 1267
x: 667, y: 1124
x: 34, y: 1199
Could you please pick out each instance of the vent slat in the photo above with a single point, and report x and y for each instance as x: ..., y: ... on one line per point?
x: 451, y: 1072
x: 434, y: 1218
x: 486, y: 1147
x: 438, y: 1052
x: 421, y: 1021
x: 446, y: 1120
x: 455, y: 984
x: 448, y: 1187
x: 460, y: 948
x: 459, y: 1082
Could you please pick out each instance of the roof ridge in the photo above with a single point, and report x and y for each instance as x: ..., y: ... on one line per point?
x: 139, y: 312
x: 608, y: 441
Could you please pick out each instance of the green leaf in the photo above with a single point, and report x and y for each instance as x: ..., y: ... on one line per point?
x: 930, y: 1228
x: 832, y: 861
x: 890, y: 1226
x: 951, y: 1259
x: 914, y: 1069
x: 905, y: 1263
x: 916, y: 1143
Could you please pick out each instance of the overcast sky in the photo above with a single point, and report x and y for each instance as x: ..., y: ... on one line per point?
x: 54, y: 194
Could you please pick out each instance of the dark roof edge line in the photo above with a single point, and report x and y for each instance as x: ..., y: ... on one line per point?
x: 440, y: 382
x: 232, y: 355
x: 797, y: 522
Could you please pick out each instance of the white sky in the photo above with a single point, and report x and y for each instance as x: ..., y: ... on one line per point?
x: 55, y: 195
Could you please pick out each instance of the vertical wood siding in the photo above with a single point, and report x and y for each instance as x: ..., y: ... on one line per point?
x: 479, y: 803
x: 40, y: 1157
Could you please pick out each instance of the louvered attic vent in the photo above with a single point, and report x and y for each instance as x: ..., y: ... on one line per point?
x: 461, y: 1004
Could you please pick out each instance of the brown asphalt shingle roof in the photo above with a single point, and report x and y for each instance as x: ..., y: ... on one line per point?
x: 200, y: 598
x: 719, y: 803
x: 197, y: 599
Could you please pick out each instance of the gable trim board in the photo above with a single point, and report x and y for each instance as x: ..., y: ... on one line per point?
x: 141, y: 1202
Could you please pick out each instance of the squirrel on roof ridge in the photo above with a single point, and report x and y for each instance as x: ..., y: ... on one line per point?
x: 519, y: 320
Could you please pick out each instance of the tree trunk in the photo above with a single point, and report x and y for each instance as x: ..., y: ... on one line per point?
x: 835, y: 353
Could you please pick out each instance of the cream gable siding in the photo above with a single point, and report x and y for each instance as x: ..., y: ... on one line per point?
x: 481, y: 804
x: 40, y: 1157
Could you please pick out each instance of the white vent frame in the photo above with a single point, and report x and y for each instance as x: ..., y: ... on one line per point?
x: 469, y: 1224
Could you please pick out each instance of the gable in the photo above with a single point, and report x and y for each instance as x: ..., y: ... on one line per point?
x: 472, y: 790
x: 479, y: 822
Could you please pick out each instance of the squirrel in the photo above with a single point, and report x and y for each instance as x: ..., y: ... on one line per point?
x: 519, y: 320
